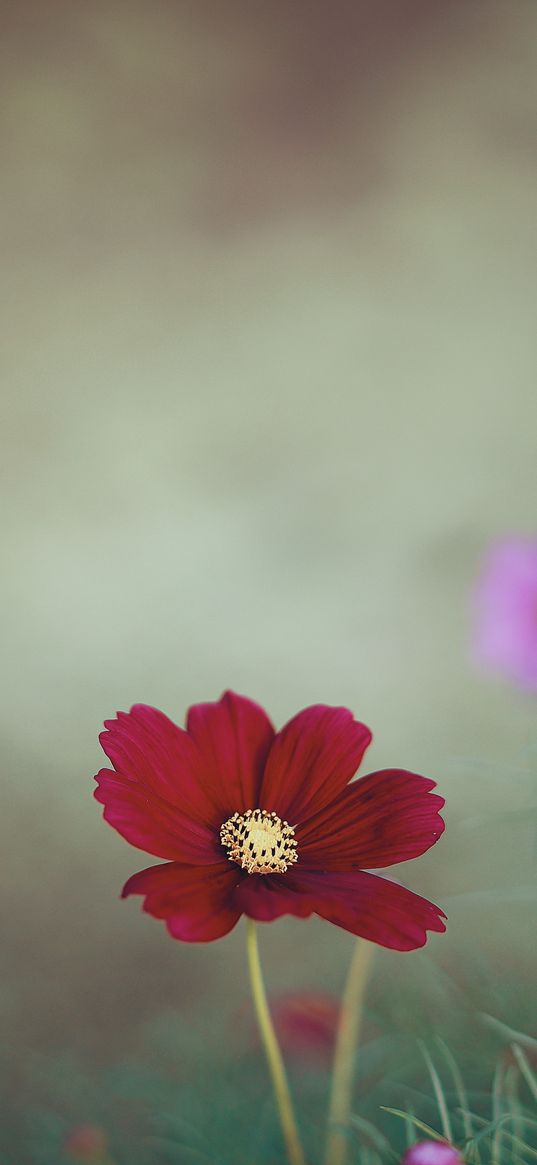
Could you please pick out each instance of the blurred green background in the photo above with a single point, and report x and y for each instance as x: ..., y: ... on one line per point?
x: 269, y: 308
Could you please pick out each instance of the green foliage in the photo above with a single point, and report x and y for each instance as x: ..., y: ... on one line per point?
x: 474, y: 1084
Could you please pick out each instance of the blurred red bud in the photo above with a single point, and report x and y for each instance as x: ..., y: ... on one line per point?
x: 86, y: 1143
x: 306, y: 1023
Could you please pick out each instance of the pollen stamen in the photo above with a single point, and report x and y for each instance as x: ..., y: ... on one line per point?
x: 260, y: 842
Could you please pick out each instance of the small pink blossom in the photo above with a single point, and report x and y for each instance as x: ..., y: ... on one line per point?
x: 506, y: 611
x: 432, y: 1153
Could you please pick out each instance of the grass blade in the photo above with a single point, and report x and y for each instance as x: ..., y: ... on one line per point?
x: 415, y: 1122
x: 525, y: 1069
x: 439, y: 1093
x: 460, y: 1089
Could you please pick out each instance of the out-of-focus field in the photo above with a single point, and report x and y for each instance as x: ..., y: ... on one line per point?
x: 269, y: 352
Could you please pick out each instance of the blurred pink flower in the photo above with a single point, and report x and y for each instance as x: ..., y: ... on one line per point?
x: 432, y: 1153
x: 506, y: 611
x: 87, y: 1143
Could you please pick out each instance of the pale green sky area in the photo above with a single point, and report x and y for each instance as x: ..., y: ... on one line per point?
x: 269, y: 315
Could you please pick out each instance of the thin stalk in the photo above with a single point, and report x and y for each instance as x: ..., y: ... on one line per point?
x: 272, y: 1050
x: 348, y: 1034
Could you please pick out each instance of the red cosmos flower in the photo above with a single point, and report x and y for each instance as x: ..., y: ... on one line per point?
x: 257, y: 822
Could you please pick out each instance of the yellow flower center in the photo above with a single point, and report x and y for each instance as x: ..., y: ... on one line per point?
x: 259, y: 842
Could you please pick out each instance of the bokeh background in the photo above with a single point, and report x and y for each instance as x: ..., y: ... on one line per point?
x: 269, y: 314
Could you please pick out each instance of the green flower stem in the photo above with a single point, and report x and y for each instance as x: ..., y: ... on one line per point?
x: 348, y: 1034
x: 272, y: 1050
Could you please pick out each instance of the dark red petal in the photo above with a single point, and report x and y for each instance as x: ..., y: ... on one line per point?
x: 154, y: 825
x: 150, y: 750
x: 233, y: 737
x: 373, y: 908
x: 381, y: 819
x: 195, y: 902
x: 266, y: 897
x: 312, y: 759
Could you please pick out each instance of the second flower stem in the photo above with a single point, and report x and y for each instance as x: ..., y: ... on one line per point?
x: 348, y: 1033
x: 272, y: 1050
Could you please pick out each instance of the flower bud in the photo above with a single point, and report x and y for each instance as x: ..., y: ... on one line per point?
x: 432, y: 1153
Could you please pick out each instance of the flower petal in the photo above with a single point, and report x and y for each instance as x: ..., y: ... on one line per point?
x: 150, y: 750
x: 233, y: 737
x: 312, y: 759
x: 195, y: 902
x: 373, y: 908
x: 266, y: 897
x: 154, y: 825
x: 381, y: 819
